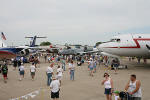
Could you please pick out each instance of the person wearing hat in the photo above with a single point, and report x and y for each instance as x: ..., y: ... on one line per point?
x: 55, y: 88
x: 116, y: 95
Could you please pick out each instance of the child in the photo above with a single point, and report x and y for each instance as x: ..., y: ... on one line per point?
x: 5, y: 72
x: 116, y: 95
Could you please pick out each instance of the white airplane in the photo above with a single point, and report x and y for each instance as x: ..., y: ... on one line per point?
x: 129, y: 45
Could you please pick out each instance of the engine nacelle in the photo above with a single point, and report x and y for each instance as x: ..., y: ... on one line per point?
x: 25, y: 52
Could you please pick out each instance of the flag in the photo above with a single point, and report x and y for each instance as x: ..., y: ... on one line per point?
x: 3, y: 36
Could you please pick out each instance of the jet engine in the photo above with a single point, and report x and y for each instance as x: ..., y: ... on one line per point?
x: 25, y: 52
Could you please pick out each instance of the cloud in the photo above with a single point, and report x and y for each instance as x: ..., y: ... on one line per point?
x: 72, y: 21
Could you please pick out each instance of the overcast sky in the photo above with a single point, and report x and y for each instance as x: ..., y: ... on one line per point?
x: 72, y: 21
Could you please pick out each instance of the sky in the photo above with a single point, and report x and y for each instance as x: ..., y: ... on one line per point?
x: 72, y: 21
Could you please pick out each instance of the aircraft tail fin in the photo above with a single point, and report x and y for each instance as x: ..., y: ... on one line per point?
x: 3, y: 36
x: 33, y: 40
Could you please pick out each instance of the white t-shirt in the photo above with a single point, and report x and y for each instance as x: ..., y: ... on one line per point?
x: 32, y: 68
x: 21, y: 68
x: 49, y: 70
x: 59, y: 71
x: 71, y: 66
x: 107, y: 84
x: 55, y: 84
x: 116, y: 97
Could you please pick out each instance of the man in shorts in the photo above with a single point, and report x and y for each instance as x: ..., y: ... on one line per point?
x: 55, y: 88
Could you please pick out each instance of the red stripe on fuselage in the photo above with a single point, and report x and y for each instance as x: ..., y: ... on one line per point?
x: 6, y: 52
x: 136, y: 42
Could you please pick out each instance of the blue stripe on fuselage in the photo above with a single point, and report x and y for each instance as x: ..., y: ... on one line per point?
x: 13, y: 50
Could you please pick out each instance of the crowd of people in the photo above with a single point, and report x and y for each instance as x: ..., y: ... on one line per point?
x: 54, y: 80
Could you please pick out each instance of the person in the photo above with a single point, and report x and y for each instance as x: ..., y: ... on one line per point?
x: 45, y: 57
x: 133, y: 87
x: 94, y: 66
x: 55, y: 88
x: 5, y: 72
x: 36, y: 61
x: 32, y: 70
x: 15, y: 64
x: 63, y: 64
x: 108, y: 83
x: 22, y: 59
x: 115, y: 64
x: 72, y: 70
x: 116, y: 95
x: 91, y: 66
x: 22, y: 72
x: 139, y: 60
x: 19, y: 62
x: 0, y: 68
x: 49, y: 73
x: 59, y: 73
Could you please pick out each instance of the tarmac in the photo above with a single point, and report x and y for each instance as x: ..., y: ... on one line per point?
x: 84, y: 87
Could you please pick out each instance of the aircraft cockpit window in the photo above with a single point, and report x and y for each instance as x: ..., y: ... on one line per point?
x: 115, y: 40
x: 140, y: 37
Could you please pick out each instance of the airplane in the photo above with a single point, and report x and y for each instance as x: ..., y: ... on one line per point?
x: 11, y: 52
x: 78, y: 50
x: 129, y: 45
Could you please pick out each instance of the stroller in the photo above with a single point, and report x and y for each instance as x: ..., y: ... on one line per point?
x: 124, y: 96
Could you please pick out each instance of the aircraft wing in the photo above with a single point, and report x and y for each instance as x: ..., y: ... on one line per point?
x: 109, y: 55
x: 36, y: 37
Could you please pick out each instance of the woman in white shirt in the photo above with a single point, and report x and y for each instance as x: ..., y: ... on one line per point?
x: 108, y: 83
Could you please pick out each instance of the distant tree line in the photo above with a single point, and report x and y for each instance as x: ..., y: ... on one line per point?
x: 45, y: 43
